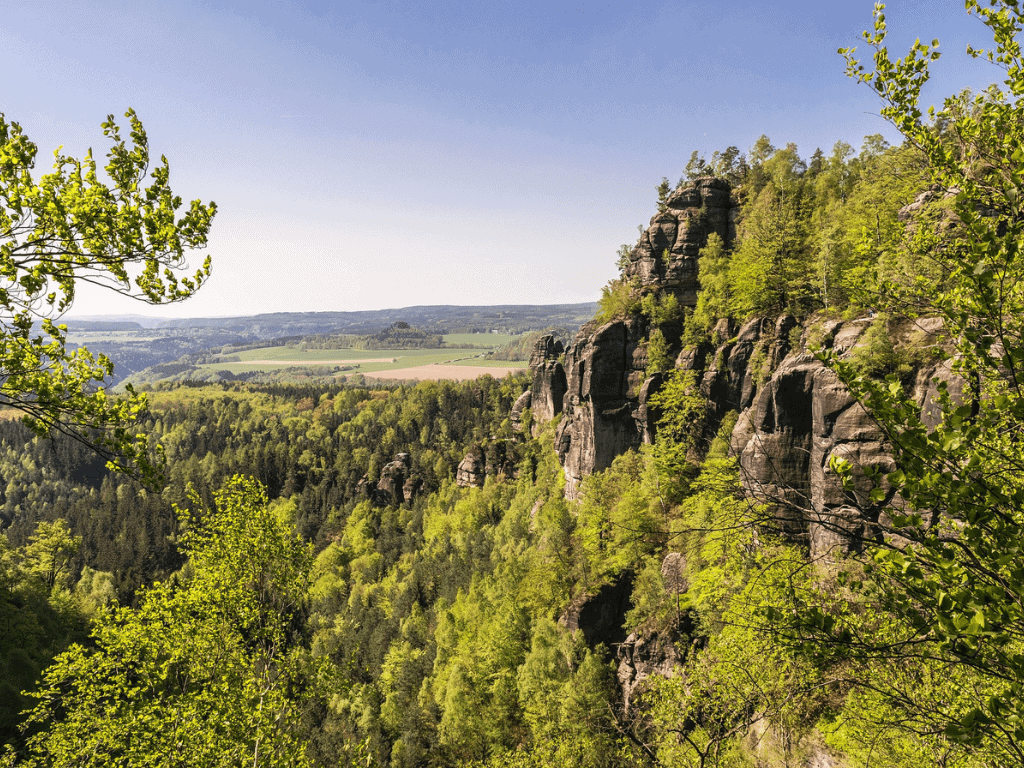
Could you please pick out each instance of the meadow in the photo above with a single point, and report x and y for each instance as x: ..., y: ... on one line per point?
x: 455, y: 362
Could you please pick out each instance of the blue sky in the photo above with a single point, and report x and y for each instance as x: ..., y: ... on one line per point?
x: 369, y: 155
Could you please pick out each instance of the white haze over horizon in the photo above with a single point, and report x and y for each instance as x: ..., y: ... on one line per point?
x: 396, y: 153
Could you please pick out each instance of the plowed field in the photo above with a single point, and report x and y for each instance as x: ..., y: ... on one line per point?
x: 436, y: 372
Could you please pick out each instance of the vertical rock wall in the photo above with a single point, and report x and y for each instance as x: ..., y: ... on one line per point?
x: 604, y: 409
x: 549, y: 384
x: 794, y: 413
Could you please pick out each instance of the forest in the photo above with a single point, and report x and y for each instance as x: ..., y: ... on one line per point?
x: 279, y: 574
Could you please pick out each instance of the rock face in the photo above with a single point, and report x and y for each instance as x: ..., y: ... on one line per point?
x: 522, y: 402
x: 470, y: 473
x: 794, y: 416
x: 801, y: 418
x: 600, y: 617
x: 605, y: 373
x: 641, y: 657
x: 396, y: 486
x: 691, y: 213
x: 393, y: 476
x: 549, y: 383
x: 605, y: 402
x: 491, y: 460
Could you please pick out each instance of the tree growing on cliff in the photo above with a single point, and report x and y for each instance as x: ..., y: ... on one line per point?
x: 769, y: 270
x: 715, y: 297
x: 71, y: 227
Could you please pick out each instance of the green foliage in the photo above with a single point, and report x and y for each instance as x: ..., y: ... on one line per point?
x: 521, y: 348
x: 663, y: 312
x: 769, y: 270
x: 663, y: 190
x: 401, y: 335
x: 715, y: 297
x: 70, y: 226
x: 198, y: 674
x: 619, y: 299
x: 39, y: 617
x: 943, y: 596
x: 730, y: 165
x: 49, y: 552
x: 696, y: 167
x: 876, y: 355
x: 681, y: 415
x: 660, y: 308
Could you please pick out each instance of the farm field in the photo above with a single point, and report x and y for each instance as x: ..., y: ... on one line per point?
x: 453, y: 372
x: 491, y: 340
x: 371, y: 361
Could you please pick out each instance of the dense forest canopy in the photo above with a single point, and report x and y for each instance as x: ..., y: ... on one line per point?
x: 356, y: 576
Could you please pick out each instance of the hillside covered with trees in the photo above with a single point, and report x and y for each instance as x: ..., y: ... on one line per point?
x: 424, y: 576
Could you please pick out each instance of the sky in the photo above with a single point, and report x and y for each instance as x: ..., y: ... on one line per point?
x: 368, y: 155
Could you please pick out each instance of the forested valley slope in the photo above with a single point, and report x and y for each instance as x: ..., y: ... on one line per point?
x: 764, y: 510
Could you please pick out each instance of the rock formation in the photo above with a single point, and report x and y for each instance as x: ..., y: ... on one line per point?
x: 494, y: 459
x: 604, y: 407
x: 470, y: 473
x: 666, y: 255
x: 639, y: 658
x: 396, y: 486
x: 600, y: 617
x: 549, y: 384
x: 522, y: 402
x: 392, y: 478
x: 794, y: 416
x: 605, y: 372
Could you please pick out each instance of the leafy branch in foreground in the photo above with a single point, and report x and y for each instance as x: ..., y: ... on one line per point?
x: 943, y: 590
x: 71, y: 227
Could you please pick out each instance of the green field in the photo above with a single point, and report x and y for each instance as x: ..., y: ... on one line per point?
x: 492, y: 340
x: 313, y: 356
x: 368, y: 360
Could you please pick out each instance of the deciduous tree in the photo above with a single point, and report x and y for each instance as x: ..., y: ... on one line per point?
x: 202, y: 673
x: 945, y: 584
x: 119, y: 228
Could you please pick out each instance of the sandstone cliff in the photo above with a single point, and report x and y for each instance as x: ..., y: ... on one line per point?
x: 794, y: 413
x: 666, y: 256
x: 605, y: 398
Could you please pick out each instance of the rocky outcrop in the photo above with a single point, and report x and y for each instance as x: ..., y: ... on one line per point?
x: 799, y: 420
x: 646, y: 654
x: 494, y: 459
x: 411, y: 489
x: 642, y: 656
x: 397, y: 484
x: 604, y: 375
x: 549, y: 383
x: 794, y: 417
x: 522, y: 402
x: 666, y: 256
x: 606, y: 391
x: 729, y: 382
x: 600, y: 617
x: 470, y: 473
x: 794, y: 413
x: 392, y: 478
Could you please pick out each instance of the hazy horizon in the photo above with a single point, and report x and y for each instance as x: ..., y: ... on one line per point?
x: 374, y: 154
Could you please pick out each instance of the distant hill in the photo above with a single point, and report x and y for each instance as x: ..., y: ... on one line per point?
x: 504, y: 318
